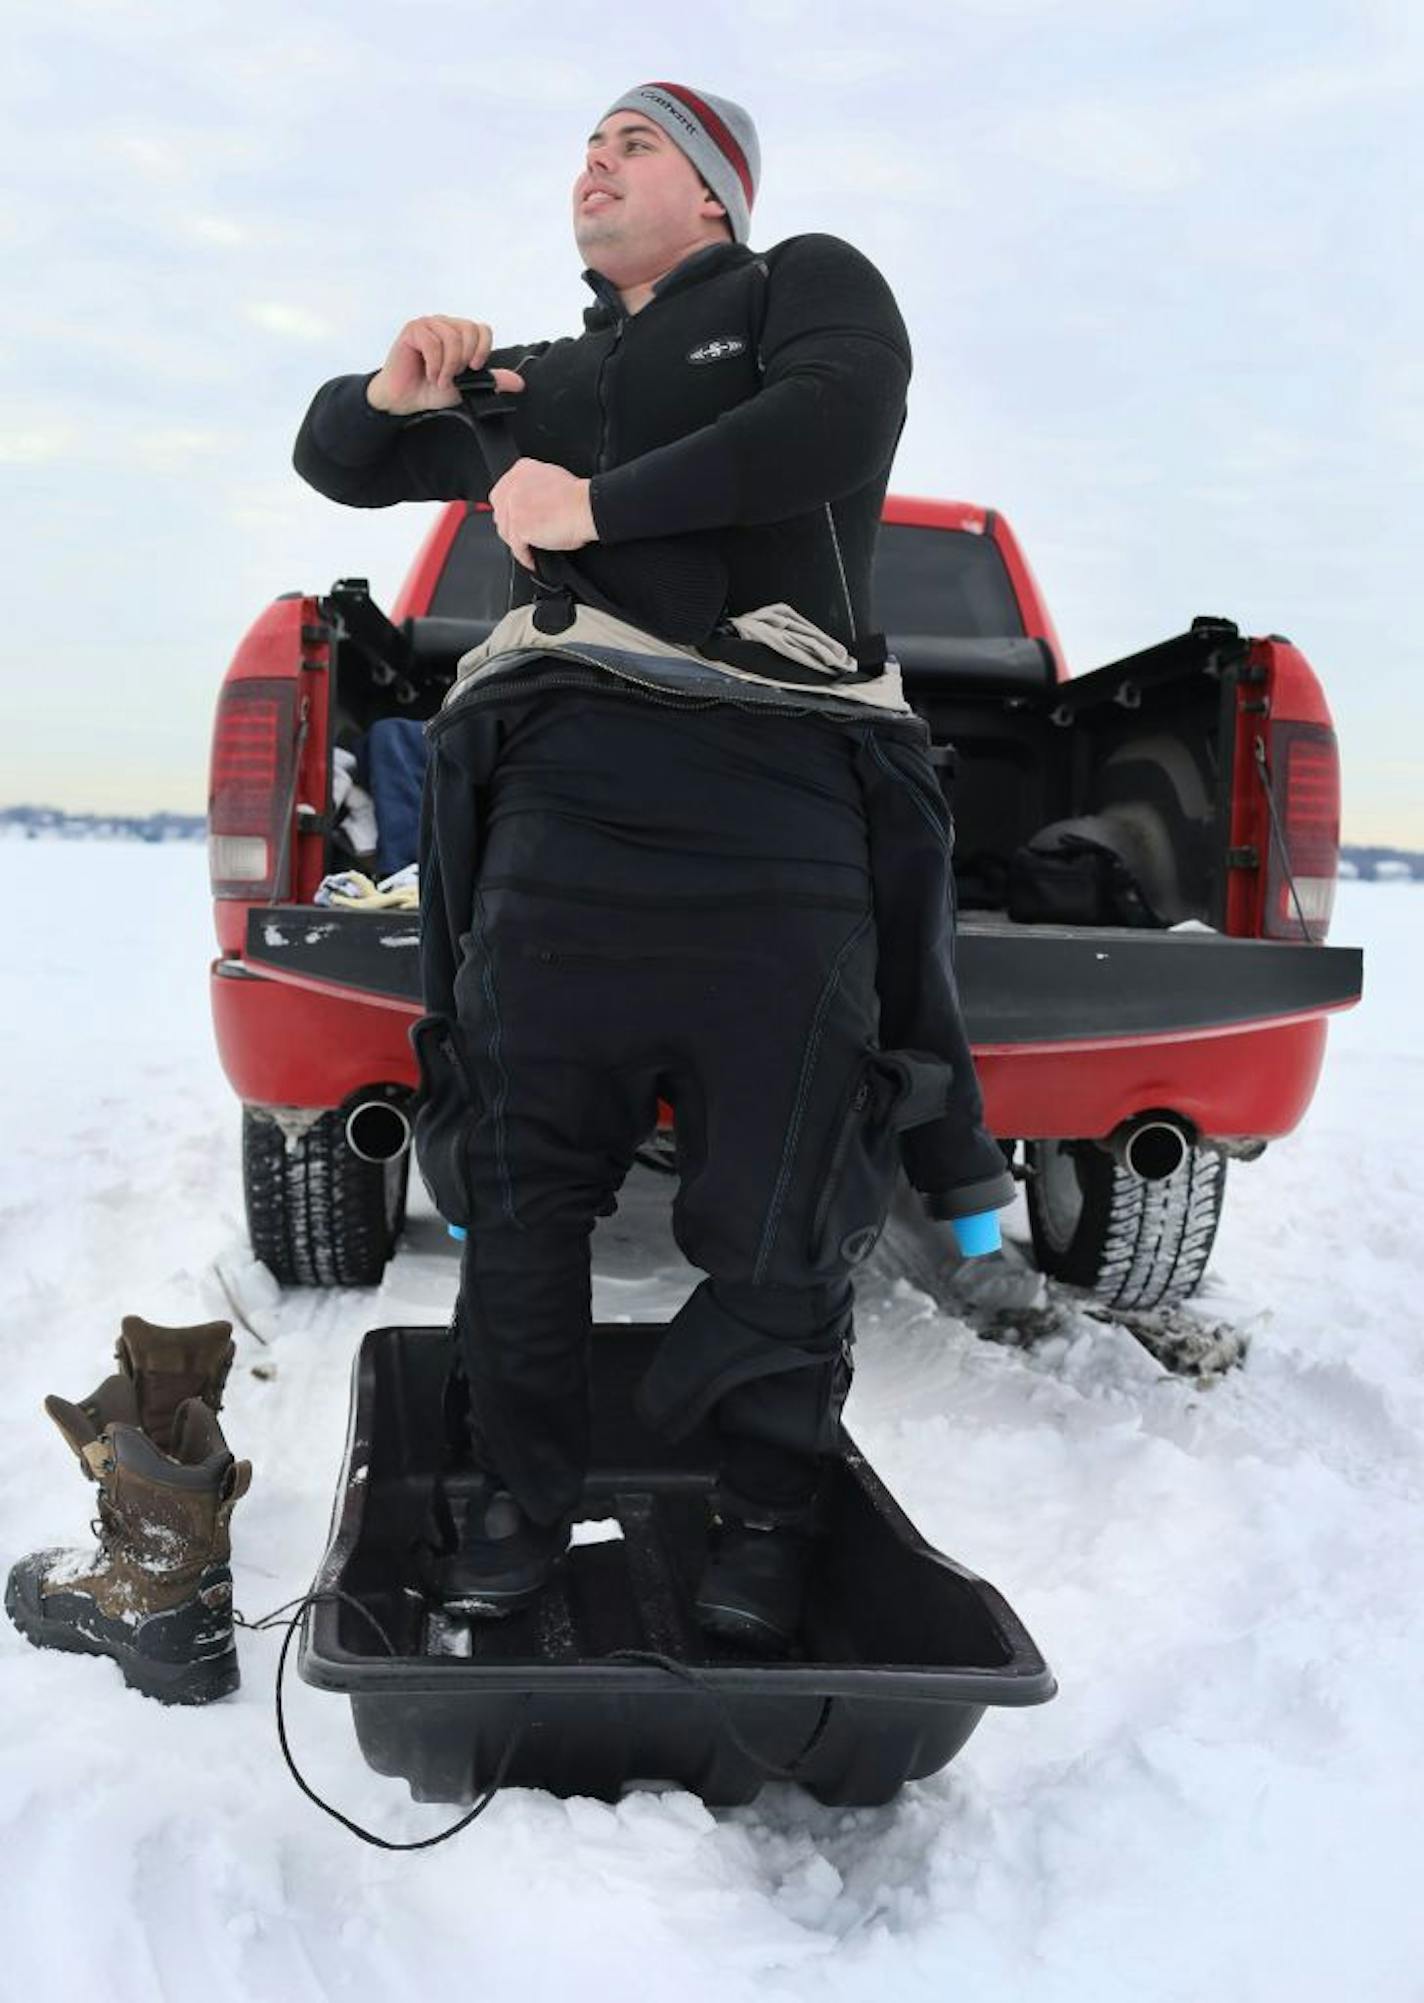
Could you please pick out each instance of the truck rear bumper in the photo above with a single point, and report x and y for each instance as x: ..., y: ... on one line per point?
x: 1252, y: 1084
x: 1073, y: 1030
x: 287, y: 1045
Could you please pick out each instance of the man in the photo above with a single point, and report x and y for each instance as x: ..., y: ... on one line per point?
x: 682, y: 840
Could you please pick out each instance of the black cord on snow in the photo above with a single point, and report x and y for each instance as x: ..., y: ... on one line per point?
x: 273, y: 1619
x: 634, y: 1657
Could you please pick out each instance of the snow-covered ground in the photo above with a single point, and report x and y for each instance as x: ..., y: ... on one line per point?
x: 1222, y: 1803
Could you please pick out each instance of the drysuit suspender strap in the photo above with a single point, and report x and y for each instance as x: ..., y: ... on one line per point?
x: 674, y: 587
x: 489, y: 409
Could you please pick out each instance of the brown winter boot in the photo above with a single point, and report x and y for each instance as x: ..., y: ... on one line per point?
x: 157, y: 1593
x: 165, y: 1366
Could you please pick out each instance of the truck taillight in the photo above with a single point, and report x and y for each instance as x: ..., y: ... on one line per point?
x: 1305, y: 787
x: 250, y: 791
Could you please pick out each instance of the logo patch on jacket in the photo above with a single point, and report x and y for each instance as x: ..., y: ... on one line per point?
x: 719, y: 350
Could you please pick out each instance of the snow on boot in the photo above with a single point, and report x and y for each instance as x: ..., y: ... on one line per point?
x: 156, y: 1595
x: 165, y: 1366
x: 753, y: 1589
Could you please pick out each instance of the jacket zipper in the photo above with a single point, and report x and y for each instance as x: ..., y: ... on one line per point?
x: 840, y: 567
x: 605, y: 443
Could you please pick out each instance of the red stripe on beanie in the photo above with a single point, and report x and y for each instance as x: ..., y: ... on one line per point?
x: 722, y: 138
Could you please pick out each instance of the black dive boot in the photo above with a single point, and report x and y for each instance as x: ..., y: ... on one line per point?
x: 752, y: 1592
x: 502, y: 1558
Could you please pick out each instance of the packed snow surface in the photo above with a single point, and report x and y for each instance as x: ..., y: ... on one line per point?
x: 1227, y: 1578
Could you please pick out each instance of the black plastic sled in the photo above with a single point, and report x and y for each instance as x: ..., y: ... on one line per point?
x: 901, y: 1649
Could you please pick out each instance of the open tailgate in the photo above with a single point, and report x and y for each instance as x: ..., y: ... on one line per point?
x: 1021, y: 986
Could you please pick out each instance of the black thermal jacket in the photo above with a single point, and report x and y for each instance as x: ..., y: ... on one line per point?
x: 755, y: 400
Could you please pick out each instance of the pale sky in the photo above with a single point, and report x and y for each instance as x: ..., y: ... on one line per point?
x: 1160, y: 263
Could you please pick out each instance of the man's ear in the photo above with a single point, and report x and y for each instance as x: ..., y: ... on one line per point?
x: 719, y: 205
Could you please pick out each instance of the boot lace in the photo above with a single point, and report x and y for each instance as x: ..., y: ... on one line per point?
x: 108, y: 1529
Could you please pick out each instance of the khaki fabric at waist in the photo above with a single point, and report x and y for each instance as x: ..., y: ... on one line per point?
x: 592, y: 632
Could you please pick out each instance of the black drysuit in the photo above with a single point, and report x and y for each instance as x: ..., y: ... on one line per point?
x: 738, y: 900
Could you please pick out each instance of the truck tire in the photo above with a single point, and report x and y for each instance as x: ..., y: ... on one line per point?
x: 317, y: 1214
x: 1136, y: 1244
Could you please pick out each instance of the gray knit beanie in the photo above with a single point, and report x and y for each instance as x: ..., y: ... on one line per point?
x: 716, y: 135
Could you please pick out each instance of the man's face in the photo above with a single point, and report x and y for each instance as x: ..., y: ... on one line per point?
x: 639, y: 198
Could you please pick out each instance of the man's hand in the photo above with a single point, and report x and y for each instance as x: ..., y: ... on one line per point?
x: 425, y: 358
x: 540, y: 506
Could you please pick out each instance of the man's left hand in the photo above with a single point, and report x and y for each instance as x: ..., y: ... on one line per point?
x: 540, y: 506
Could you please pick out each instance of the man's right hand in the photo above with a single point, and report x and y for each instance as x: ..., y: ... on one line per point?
x: 425, y: 358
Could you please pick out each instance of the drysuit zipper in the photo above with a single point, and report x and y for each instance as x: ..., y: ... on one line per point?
x: 563, y: 956
x: 859, y: 1099
x: 651, y: 692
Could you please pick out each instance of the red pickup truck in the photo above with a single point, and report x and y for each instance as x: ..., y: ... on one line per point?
x: 1196, y: 783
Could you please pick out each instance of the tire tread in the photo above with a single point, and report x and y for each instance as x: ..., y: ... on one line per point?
x: 1139, y: 1244
x: 317, y: 1214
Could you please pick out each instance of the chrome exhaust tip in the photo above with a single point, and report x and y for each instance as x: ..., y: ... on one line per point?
x: 1151, y: 1148
x: 377, y: 1131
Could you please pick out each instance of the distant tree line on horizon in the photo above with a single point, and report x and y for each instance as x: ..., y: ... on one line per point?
x: 1382, y: 865
x: 164, y: 827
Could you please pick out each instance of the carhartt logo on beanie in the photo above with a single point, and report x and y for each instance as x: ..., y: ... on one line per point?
x: 716, y: 135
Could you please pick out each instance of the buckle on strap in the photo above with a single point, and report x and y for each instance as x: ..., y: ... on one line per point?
x: 555, y: 611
